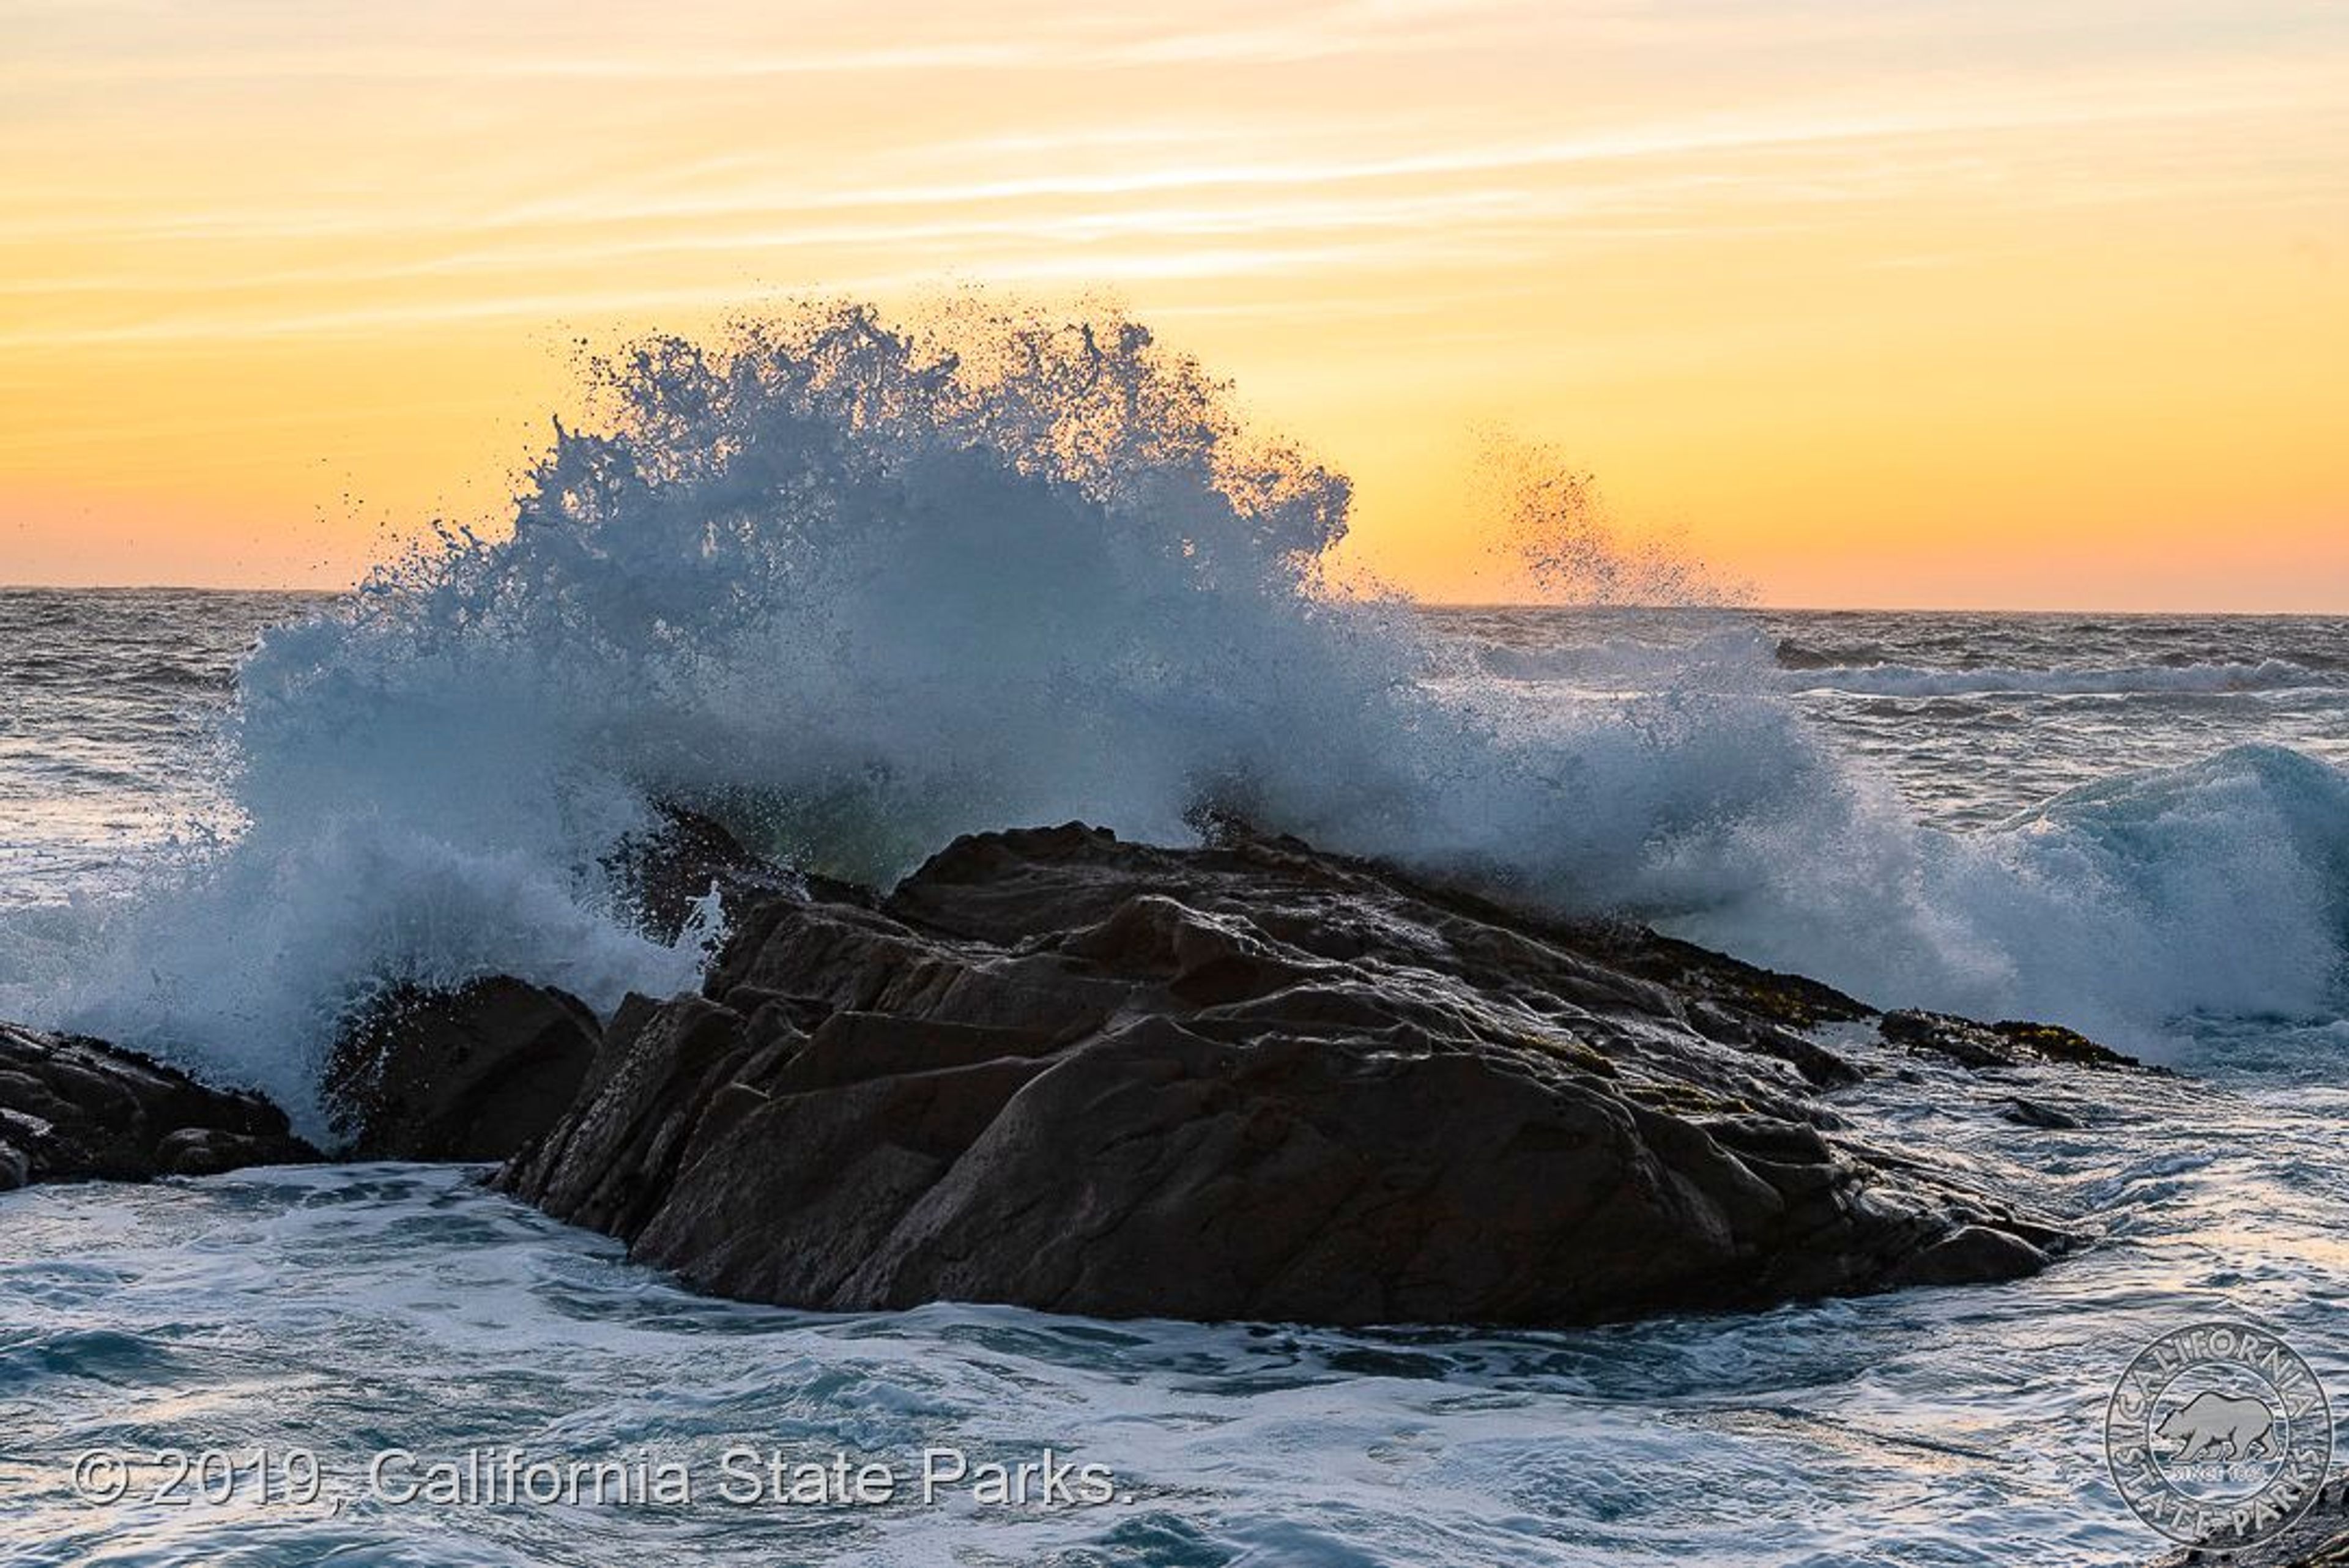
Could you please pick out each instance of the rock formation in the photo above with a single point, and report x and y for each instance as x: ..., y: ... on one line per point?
x: 1248, y: 1081
x: 73, y: 1109
x: 471, y: 1073
x: 661, y: 873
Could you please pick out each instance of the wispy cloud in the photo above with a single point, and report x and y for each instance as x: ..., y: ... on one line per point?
x: 1353, y: 27
x: 2085, y: 105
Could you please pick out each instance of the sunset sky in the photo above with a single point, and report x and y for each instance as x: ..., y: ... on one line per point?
x: 1874, y: 302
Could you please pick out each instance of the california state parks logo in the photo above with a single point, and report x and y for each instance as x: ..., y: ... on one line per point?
x: 2219, y: 1435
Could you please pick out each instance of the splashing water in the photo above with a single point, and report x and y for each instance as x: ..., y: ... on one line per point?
x: 1552, y: 523
x: 857, y: 588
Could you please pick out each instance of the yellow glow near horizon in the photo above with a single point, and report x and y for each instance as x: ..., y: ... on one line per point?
x: 1988, y: 304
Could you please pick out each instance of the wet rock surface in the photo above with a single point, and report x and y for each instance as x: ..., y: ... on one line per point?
x: 75, y: 1108
x: 475, y: 1073
x: 1248, y: 1081
x: 2008, y: 1043
x: 662, y: 873
x: 2319, y: 1538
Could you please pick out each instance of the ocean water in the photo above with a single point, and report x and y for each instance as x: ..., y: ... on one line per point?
x: 341, y: 1311
x: 857, y: 596
x: 110, y: 702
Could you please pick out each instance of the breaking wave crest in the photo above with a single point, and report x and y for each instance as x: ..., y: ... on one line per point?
x: 857, y: 588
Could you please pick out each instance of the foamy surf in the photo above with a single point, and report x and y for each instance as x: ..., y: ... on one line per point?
x: 342, y: 1311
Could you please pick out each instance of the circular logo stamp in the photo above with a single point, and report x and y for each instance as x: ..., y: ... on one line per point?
x: 2219, y: 1435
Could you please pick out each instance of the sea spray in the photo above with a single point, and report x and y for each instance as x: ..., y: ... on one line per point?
x: 1560, y: 540
x: 857, y: 588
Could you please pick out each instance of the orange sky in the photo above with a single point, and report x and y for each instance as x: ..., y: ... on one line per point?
x: 1918, y: 302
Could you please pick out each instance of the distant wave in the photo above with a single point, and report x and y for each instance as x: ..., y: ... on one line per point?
x: 1908, y: 680
x: 1742, y: 660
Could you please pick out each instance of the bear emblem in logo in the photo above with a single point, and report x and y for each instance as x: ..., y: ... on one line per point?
x: 2219, y: 1435
x: 2210, y: 1425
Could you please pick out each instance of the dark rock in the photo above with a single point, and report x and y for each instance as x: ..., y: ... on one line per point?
x: 1820, y: 1066
x: 663, y: 872
x: 471, y: 1073
x: 2317, y: 1538
x: 1245, y: 1081
x: 2001, y: 1044
x: 1941, y: 1034
x: 75, y: 1108
x: 1969, y: 1254
x: 2030, y: 1113
x: 2052, y: 1042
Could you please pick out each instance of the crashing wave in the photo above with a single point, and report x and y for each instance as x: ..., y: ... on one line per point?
x: 857, y: 588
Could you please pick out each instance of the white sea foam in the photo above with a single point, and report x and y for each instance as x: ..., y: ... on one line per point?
x: 343, y: 1310
x: 857, y: 592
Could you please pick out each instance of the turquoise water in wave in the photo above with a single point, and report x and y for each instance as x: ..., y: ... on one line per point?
x: 344, y: 1311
